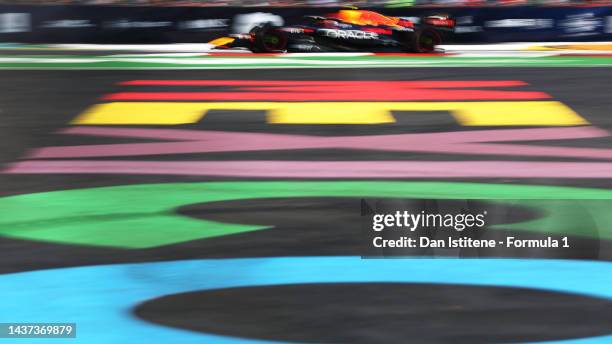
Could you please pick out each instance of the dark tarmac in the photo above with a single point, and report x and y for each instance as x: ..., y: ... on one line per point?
x: 36, y: 105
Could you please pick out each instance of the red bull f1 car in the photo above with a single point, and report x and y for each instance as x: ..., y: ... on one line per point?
x: 346, y: 31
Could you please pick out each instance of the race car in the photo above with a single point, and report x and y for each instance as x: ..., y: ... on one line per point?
x: 346, y: 31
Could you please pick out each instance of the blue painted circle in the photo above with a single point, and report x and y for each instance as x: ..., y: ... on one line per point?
x: 100, y: 298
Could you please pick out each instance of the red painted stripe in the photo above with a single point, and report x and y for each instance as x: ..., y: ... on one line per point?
x: 415, y: 54
x: 287, y: 83
x: 240, y: 54
x: 295, y: 90
x: 325, y: 95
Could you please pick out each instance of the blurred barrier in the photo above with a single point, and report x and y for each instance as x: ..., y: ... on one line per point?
x: 87, y: 24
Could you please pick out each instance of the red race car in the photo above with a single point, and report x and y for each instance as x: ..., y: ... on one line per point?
x: 346, y: 30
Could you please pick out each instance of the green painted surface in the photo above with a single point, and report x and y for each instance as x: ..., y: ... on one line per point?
x: 142, y: 216
x: 314, y: 61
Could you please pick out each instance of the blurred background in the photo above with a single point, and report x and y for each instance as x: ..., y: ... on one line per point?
x: 330, y: 3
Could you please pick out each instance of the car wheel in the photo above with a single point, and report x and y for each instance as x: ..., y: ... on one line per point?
x: 268, y: 39
x: 424, y: 41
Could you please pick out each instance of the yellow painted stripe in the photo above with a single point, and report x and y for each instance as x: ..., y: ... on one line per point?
x: 330, y: 113
x: 508, y: 113
x: 142, y: 113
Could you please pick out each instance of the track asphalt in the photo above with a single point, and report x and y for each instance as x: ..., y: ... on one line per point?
x: 291, y: 191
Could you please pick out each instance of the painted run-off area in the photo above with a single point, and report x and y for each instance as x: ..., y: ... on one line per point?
x: 142, y: 217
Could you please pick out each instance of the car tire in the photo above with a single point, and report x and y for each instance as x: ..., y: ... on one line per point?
x: 423, y: 41
x: 267, y: 38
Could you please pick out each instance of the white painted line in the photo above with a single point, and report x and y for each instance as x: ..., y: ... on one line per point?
x: 508, y: 54
x: 159, y: 55
x: 514, y: 46
x: 326, y: 54
x: 50, y: 60
x: 178, y: 47
x: 486, y: 65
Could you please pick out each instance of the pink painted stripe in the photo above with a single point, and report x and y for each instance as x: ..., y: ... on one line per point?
x: 323, y: 169
x: 466, y: 142
x: 472, y: 136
